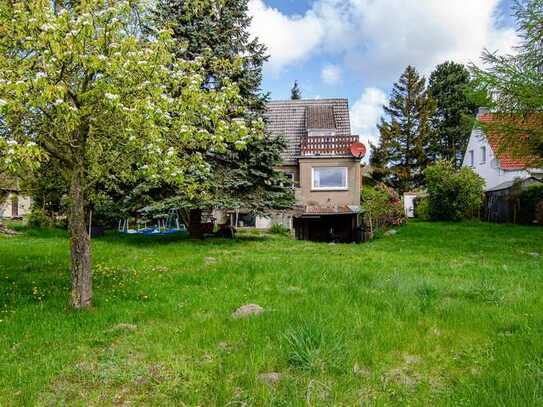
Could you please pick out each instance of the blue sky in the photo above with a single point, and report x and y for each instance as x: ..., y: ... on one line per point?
x: 358, y: 48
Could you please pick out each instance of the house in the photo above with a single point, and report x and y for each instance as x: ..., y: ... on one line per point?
x: 319, y: 159
x: 13, y: 205
x: 487, y: 157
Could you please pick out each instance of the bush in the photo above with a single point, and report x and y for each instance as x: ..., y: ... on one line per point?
x: 278, y: 229
x: 453, y: 194
x: 39, y: 219
x: 528, y: 202
x: 382, y: 208
x: 422, y: 208
x: 539, y: 213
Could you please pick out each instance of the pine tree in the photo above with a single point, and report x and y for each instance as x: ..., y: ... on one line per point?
x: 296, y: 92
x: 216, y: 34
x: 213, y: 32
x: 454, y: 115
x: 406, y: 133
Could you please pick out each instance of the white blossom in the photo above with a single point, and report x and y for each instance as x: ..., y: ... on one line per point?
x: 3, y: 102
x: 111, y: 96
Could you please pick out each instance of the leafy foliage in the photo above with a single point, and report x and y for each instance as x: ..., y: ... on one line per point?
x: 83, y: 91
x: 452, y: 193
x: 512, y: 86
x: 382, y: 208
x: 402, y: 153
x: 453, y: 119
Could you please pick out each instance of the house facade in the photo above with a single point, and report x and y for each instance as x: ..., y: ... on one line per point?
x: 486, y: 157
x: 319, y: 160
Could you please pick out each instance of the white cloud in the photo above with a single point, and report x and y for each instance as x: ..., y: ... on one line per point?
x: 365, y: 114
x: 289, y: 39
x: 331, y: 74
x: 379, y: 38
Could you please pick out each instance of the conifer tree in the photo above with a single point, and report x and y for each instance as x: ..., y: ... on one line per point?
x: 406, y: 132
x: 217, y: 34
x: 454, y: 115
x: 295, y: 92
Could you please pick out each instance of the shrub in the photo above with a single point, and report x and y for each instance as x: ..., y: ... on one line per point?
x: 278, y: 229
x: 530, y: 198
x: 382, y: 208
x: 452, y: 194
x: 539, y: 213
x: 39, y: 219
x: 422, y: 208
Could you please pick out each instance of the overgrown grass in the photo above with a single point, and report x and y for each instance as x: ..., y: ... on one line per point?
x: 448, y: 314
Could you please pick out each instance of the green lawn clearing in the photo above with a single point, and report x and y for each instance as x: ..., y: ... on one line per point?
x: 443, y: 314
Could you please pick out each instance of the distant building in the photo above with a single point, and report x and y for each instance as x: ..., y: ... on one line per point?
x: 13, y: 205
x: 488, y: 159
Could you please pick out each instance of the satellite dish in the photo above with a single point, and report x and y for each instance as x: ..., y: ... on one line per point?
x: 358, y: 150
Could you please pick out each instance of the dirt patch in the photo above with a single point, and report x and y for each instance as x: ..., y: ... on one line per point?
x: 247, y: 311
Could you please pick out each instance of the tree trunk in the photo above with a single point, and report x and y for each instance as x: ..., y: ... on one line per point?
x: 81, y: 294
x: 195, y: 224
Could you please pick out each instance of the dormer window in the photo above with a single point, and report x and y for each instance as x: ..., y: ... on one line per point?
x: 471, y: 158
x: 483, y: 155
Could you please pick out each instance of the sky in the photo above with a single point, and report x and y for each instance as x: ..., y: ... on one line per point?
x: 357, y: 49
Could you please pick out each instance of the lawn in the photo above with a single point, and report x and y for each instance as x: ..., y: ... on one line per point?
x: 448, y: 314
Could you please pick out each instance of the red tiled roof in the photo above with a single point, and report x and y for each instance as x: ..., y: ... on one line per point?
x: 496, y: 141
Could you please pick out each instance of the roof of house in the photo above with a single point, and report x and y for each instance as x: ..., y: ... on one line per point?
x: 8, y: 183
x: 292, y: 118
x: 320, y: 117
x: 506, y: 159
x: 509, y: 184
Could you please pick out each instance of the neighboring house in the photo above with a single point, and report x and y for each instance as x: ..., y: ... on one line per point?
x: 488, y: 159
x: 318, y: 159
x: 13, y: 205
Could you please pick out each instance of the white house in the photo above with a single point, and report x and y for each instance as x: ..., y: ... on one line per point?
x: 13, y: 205
x: 487, y: 158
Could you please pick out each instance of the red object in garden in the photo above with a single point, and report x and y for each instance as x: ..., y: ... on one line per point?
x: 358, y: 150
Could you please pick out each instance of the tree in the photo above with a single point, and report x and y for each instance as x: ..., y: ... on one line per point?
x: 453, y: 119
x: 406, y: 132
x: 453, y: 194
x: 512, y: 87
x: 296, y: 92
x: 217, y: 34
x: 83, y: 92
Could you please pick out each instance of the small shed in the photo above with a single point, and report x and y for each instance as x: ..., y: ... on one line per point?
x: 503, y: 203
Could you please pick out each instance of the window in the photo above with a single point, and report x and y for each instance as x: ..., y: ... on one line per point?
x: 330, y: 178
x: 471, y: 158
x: 483, y: 154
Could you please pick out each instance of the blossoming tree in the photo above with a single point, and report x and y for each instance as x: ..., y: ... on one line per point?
x: 80, y: 89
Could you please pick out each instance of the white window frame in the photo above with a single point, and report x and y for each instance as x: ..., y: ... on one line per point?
x: 338, y: 188
x: 471, y: 158
x: 482, y: 150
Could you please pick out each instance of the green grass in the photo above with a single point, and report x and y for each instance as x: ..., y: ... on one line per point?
x: 448, y: 314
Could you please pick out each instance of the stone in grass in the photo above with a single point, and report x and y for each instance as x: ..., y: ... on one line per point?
x: 247, y: 311
x: 125, y: 327
x: 535, y: 254
x: 271, y: 379
x: 391, y: 232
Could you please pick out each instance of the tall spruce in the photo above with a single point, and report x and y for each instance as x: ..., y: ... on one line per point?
x: 296, y: 91
x: 217, y: 33
x: 406, y: 132
x: 453, y: 119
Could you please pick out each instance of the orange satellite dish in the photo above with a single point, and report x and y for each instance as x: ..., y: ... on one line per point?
x: 358, y: 150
